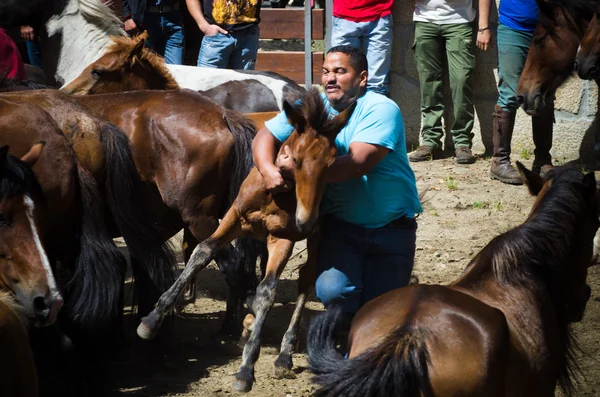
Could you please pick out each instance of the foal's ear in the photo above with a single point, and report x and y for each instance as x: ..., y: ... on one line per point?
x: 533, y: 181
x: 339, y: 122
x: 138, y: 47
x: 295, y: 117
x: 32, y: 156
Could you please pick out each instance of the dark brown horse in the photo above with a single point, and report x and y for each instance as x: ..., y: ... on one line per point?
x: 587, y: 62
x: 501, y: 329
x: 128, y: 66
x: 551, y: 56
x: 279, y: 220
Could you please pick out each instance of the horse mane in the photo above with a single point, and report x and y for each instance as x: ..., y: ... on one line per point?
x: 100, y: 14
x: 538, y: 249
x: 9, y: 300
x: 584, y: 9
x: 155, y: 61
x: 316, y: 113
x: 7, y: 85
x: 17, y: 179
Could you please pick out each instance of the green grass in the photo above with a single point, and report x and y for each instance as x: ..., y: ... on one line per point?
x: 477, y: 204
x: 526, y: 154
x: 451, y: 183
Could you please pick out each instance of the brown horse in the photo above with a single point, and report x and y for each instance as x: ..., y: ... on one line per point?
x: 17, y: 366
x: 127, y: 66
x: 587, y: 62
x: 279, y: 220
x: 501, y: 329
x: 551, y: 56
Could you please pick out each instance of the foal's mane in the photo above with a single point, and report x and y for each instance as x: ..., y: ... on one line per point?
x: 17, y: 179
x: 9, y: 300
x: 577, y: 9
x: 316, y: 113
x: 152, y: 59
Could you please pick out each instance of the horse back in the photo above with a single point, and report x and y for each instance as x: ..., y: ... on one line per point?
x: 467, y: 342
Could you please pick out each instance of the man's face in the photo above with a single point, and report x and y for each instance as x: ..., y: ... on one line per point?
x: 342, y: 83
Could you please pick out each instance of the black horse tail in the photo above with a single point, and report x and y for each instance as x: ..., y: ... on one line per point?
x: 153, y: 261
x: 247, y: 249
x: 396, y: 367
x: 95, y: 289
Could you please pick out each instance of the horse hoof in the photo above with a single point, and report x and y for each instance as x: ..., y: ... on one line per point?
x: 284, y: 373
x: 242, y: 385
x: 149, y: 326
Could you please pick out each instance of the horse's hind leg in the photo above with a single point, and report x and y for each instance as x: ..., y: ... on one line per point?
x: 279, y: 252
x: 229, y: 230
x: 189, y: 244
x: 306, y: 282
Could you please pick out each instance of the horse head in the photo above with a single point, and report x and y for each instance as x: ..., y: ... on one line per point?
x: 551, y: 53
x: 313, y: 150
x: 24, y: 266
x: 580, y: 191
x: 587, y: 62
x: 126, y: 65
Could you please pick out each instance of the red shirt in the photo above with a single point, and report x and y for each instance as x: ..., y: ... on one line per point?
x: 362, y: 10
x: 11, y: 64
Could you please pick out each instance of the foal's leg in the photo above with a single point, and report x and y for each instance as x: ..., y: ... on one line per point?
x: 306, y: 282
x: 189, y: 244
x: 229, y: 229
x: 279, y: 253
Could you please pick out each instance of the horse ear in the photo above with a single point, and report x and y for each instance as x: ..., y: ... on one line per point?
x: 295, y: 117
x: 138, y: 47
x: 533, y: 181
x: 340, y: 121
x: 32, y: 156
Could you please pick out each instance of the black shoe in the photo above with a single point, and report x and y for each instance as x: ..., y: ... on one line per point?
x: 464, y: 155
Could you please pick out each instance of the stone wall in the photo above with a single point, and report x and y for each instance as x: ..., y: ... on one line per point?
x: 576, y: 103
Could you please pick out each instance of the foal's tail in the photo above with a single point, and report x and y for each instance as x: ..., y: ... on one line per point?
x: 153, y: 261
x: 247, y: 249
x: 395, y: 367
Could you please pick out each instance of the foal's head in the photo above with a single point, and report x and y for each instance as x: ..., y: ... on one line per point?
x: 24, y: 266
x: 313, y: 150
x: 552, y: 51
x: 125, y: 66
x: 587, y: 63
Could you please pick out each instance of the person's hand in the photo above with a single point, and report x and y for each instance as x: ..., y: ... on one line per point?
x: 27, y: 33
x: 212, y: 30
x: 484, y: 39
x: 285, y: 163
x: 274, y: 181
x: 130, y: 26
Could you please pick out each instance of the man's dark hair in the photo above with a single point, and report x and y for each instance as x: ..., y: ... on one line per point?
x: 358, y: 59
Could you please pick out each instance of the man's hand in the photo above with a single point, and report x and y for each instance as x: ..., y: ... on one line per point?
x: 285, y: 163
x: 27, y: 33
x: 130, y: 26
x: 274, y: 181
x: 484, y: 40
x: 212, y: 30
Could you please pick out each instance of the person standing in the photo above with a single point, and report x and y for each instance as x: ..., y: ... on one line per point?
x: 11, y: 64
x: 368, y: 24
x: 163, y: 21
x: 231, y: 32
x: 444, y: 30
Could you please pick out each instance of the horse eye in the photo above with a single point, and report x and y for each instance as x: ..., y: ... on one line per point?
x: 5, y: 221
x: 96, y: 73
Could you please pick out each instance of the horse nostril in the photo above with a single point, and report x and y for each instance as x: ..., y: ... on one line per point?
x: 39, y: 305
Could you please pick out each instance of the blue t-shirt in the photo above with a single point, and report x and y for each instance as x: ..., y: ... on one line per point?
x: 389, y: 190
x: 518, y: 14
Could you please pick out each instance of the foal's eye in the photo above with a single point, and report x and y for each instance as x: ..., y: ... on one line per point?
x: 96, y: 73
x: 5, y: 221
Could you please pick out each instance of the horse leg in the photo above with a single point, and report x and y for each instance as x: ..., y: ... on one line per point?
x: 306, y: 282
x: 229, y: 229
x: 189, y: 243
x: 280, y: 251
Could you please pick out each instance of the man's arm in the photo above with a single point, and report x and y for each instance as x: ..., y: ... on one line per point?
x: 361, y: 159
x: 196, y: 12
x: 264, y: 152
x: 484, y: 37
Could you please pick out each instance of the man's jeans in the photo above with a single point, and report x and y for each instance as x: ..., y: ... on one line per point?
x: 236, y: 50
x: 34, y: 54
x: 434, y: 43
x: 513, y: 46
x: 376, y: 37
x: 357, y: 264
x: 165, y: 35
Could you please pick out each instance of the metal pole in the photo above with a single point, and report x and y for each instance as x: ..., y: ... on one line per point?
x: 328, y: 23
x: 307, y: 45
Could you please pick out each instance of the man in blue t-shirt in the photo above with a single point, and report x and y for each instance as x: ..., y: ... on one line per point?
x: 369, y: 207
x: 517, y: 22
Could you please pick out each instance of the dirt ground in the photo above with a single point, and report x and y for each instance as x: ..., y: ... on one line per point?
x: 464, y: 210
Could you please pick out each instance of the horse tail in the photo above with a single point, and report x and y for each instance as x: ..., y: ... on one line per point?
x: 247, y: 249
x: 95, y: 288
x: 153, y: 261
x: 396, y: 367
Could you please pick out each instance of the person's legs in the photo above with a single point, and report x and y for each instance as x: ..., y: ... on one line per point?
x: 33, y: 52
x: 461, y: 63
x: 378, y: 46
x: 390, y: 258
x: 340, y: 263
x: 429, y: 55
x: 174, y: 37
x: 246, y: 48
x: 155, y: 41
x: 215, y: 51
x: 345, y: 32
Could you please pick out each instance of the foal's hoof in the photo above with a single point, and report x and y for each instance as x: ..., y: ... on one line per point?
x: 242, y: 384
x: 149, y: 327
x: 283, y: 367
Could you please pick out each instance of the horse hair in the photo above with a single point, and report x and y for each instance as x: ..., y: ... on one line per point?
x: 579, y: 9
x: 7, y: 85
x: 17, y: 179
x: 100, y: 14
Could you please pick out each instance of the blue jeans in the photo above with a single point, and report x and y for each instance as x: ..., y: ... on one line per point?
x: 376, y: 38
x: 513, y: 46
x: 165, y: 35
x: 236, y: 50
x: 34, y: 54
x: 356, y: 264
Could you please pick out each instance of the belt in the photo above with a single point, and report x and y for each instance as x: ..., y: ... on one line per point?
x: 162, y: 9
x: 401, y: 223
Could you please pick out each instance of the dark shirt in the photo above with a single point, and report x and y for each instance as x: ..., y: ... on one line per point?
x: 232, y: 14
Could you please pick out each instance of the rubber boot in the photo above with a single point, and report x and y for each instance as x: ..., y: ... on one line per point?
x: 502, y: 169
x: 543, y: 124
